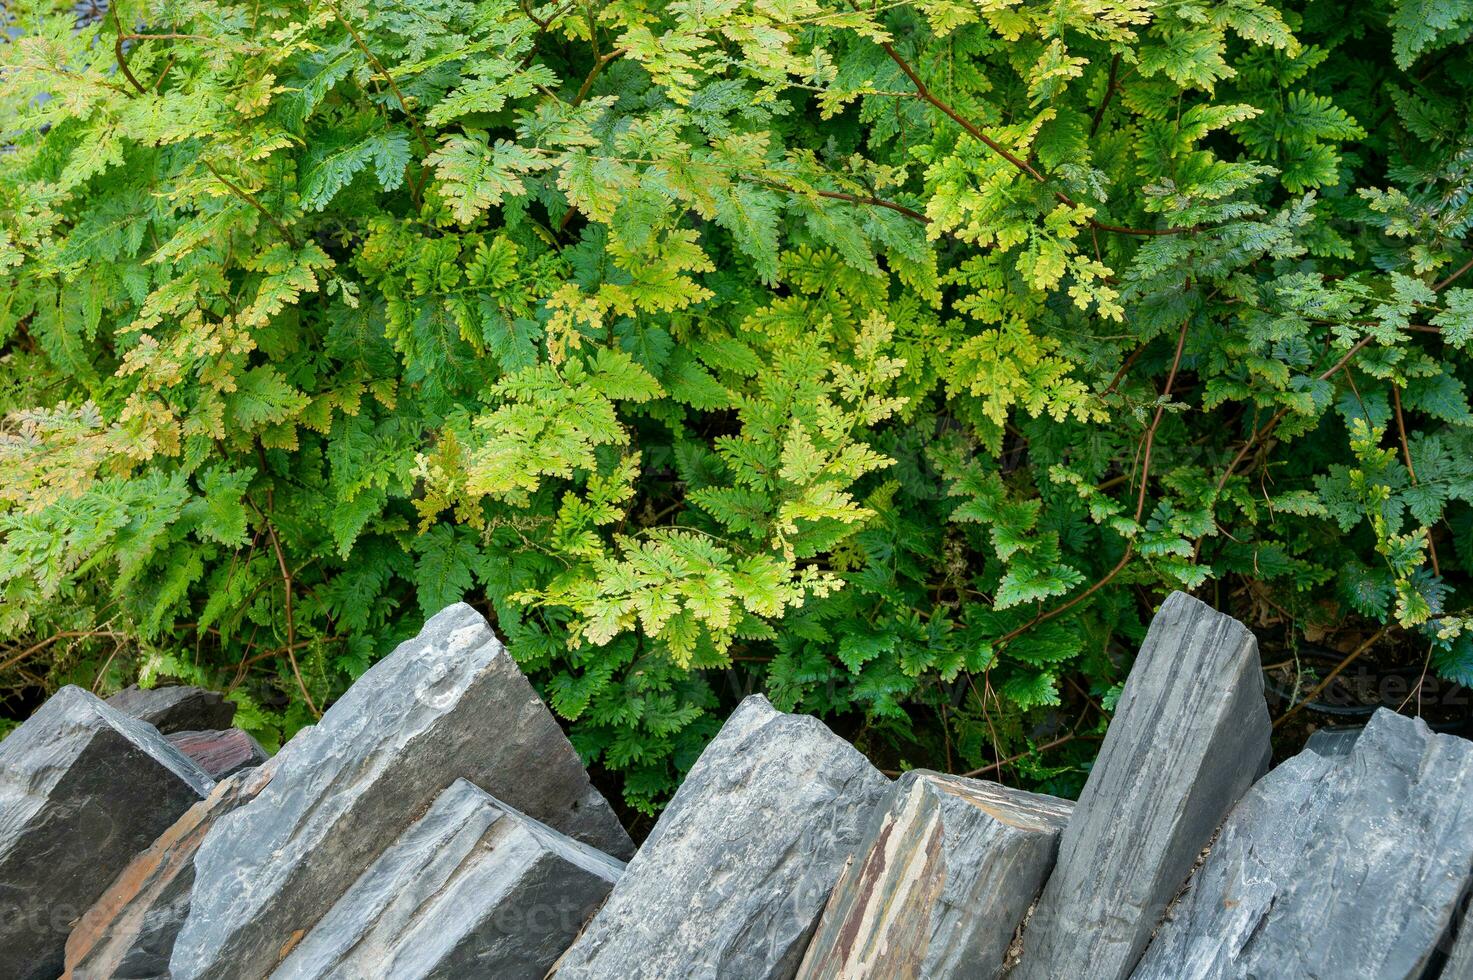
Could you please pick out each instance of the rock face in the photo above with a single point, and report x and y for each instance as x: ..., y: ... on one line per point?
x: 175, y: 709
x: 447, y: 704
x: 220, y: 753
x: 130, y: 931
x: 82, y: 789
x: 1459, y: 964
x: 732, y: 880
x: 472, y: 889
x: 1347, y: 867
x: 946, y: 872
x: 1189, y: 736
x: 1333, y: 742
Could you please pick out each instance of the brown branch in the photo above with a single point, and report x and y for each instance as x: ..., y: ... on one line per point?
x: 1020, y: 756
x: 1125, y: 367
x: 1406, y: 454
x: 123, y: 58
x: 286, y: 583
x: 878, y: 202
x: 250, y: 199
x: 36, y: 648
x: 598, y: 67
x: 1458, y: 274
x: 1150, y: 440
x: 388, y: 78
x: 1024, y: 166
x: 1105, y: 99
x: 1360, y: 345
x: 1140, y: 507
x: 1330, y: 677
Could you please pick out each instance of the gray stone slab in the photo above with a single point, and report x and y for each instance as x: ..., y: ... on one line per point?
x: 1190, y: 734
x: 1459, y: 964
x: 175, y: 709
x: 472, y: 889
x: 449, y: 703
x: 938, y: 887
x: 1333, y: 742
x: 733, y: 878
x: 1346, y: 867
x: 83, y: 788
x: 129, y: 932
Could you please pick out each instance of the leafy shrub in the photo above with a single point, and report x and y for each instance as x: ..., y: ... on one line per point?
x: 888, y: 357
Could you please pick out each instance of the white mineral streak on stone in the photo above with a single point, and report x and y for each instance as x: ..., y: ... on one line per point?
x: 449, y: 703
x: 732, y: 880
x: 1345, y: 867
x: 83, y: 788
x: 472, y: 889
x: 938, y: 887
x: 1189, y: 736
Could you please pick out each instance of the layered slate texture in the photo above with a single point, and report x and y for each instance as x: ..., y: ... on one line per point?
x: 1347, y: 866
x: 472, y: 889
x: 1190, y: 734
x: 220, y: 753
x: 733, y: 878
x: 82, y: 789
x: 175, y: 709
x: 129, y: 932
x: 937, y: 889
x: 450, y: 703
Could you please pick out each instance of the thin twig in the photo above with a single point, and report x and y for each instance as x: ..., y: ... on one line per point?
x: 286, y: 583
x: 1105, y: 99
x: 123, y: 58
x: 1330, y: 677
x: 63, y: 635
x: 1150, y: 439
x: 1406, y: 454
x: 1461, y: 271
x: 250, y: 199
x: 598, y: 67
x: 378, y: 67
x: 1020, y: 756
x: 1022, y: 165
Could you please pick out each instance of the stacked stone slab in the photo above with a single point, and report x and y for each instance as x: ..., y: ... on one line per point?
x: 1189, y: 736
x: 129, y: 932
x: 1459, y: 964
x: 472, y: 889
x: 450, y: 703
x: 1333, y: 742
x: 220, y: 753
x: 82, y: 789
x: 733, y: 878
x: 1347, y: 866
x: 175, y: 709
x: 938, y: 887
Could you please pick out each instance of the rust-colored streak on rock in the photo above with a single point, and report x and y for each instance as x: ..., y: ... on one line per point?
x: 105, y: 932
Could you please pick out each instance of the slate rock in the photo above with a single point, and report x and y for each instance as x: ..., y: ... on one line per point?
x: 946, y: 872
x: 1343, y: 867
x: 1190, y: 734
x: 82, y: 789
x: 472, y: 889
x: 220, y: 753
x: 175, y: 709
x: 1333, y: 742
x: 129, y: 932
x: 731, y: 881
x: 446, y: 704
x: 1459, y: 964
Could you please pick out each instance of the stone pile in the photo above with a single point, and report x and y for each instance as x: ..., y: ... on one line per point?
x: 437, y: 823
